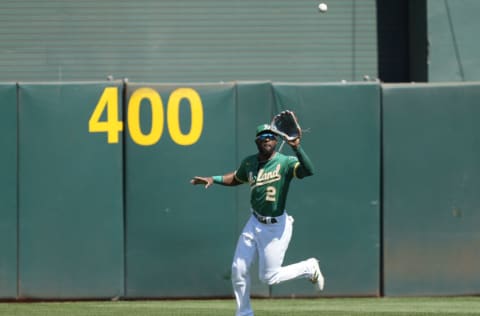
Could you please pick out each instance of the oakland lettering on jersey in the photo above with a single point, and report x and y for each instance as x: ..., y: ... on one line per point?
x: 270, y: 176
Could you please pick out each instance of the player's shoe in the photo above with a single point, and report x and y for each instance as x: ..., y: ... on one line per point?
x: 317, y: 277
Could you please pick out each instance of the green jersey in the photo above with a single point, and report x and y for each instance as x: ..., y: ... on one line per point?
x: 269, y: 182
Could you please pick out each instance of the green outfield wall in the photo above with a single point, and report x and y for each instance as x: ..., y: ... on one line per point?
x: 96, y: 201
x: 171, y: 225
x: 179, y: 237
x: 431, y: 174
x: 8, y: 191
x: 70, y: 196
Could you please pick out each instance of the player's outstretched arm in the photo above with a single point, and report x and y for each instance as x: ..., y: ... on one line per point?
x: 305, y: 168
x: 227, y: 180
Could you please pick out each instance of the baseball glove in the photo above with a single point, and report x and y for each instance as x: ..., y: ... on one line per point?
x: 286, y: 125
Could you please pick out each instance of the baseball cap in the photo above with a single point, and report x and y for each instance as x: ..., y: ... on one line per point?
x: 264, y: 128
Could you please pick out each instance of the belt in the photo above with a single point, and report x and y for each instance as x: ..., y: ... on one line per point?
x: 264, y: 219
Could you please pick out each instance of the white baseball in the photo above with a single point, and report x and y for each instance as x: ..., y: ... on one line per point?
x: 323, y: 7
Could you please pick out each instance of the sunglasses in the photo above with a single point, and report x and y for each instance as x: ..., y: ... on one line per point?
x: 267, y: 135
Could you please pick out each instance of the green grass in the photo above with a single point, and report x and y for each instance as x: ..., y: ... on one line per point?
x: 263, y: 307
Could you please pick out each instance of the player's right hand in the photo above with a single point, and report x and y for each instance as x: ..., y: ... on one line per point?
x: 208, y: 181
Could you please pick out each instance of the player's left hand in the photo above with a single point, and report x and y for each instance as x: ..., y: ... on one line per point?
x: 286, y: 125
x: 294, y: 143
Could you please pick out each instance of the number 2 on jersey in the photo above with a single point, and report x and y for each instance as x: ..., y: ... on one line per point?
x: 271, y: 192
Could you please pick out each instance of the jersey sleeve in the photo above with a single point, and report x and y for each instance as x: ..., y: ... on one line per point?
x: 293, y: 164
x: 241, y: 172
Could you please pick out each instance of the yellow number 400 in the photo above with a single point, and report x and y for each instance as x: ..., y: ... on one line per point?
x: 113, y: 126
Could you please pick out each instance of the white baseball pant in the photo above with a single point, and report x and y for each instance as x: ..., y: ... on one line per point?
x: 269, y: 242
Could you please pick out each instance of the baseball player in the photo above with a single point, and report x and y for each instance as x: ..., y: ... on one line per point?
x: 268, y: 231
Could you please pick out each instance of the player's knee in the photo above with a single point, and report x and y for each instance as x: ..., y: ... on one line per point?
x: 239, y: 270
x: 269, y: 278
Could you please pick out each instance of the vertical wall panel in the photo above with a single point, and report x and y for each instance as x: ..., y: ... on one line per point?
x: 431, y: 181
x: 337, y: 210
x: 71, y: 206
x: 180, y: 237
x: 8, y: 191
